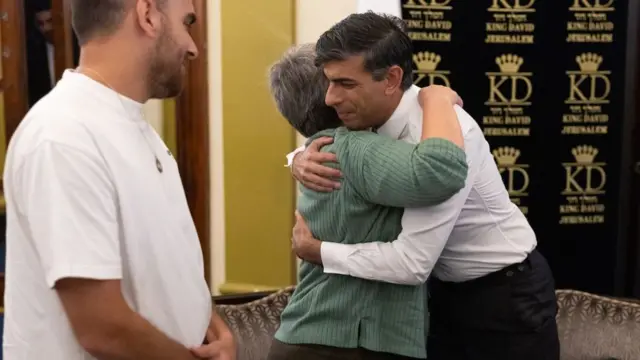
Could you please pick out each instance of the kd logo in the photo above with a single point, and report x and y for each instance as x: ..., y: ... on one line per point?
x: 585, y: 179
x: 592, y: 4
x: 589, y: 88
x: 514, y: 175
x: 427, y: 3
x: 512, y: 5
x: 589, y: 85
x: 509, y: 86
x: 432, y: 79
x: 516, y: 179
x: 504, y: 89
x: 427, y: 68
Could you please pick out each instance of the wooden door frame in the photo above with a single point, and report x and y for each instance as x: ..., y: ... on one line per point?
x: 14, y: 56
x: 192, y: 136
x: 14, y: 82
x: 62, y: 37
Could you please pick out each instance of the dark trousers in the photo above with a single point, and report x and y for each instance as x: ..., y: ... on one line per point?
x: 282, y: 351
x: 506, y: 315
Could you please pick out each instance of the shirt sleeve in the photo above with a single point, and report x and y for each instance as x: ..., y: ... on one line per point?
x: 409, y: 259
x: 69, y: 202
x: 395, y: 173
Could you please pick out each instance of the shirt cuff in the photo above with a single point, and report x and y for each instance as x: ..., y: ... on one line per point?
x: 292, y: 154
x: 334, y: 258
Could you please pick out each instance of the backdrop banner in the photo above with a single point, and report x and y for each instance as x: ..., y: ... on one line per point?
x: 546, y: 82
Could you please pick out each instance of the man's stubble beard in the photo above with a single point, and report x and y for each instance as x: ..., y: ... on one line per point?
x: 165, y: 76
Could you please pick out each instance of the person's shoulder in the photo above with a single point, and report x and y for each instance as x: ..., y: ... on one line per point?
x: 53, y: 119
x: 468, y: 124
x: 357, y: 137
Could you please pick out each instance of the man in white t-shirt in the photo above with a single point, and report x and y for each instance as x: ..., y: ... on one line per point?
x: 103, y: 259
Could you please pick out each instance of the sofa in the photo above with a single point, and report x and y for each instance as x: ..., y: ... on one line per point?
x: 591, y: 327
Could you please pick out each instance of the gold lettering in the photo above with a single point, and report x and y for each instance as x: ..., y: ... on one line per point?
x: 438, y: 24
x: 577, y: 26
x: 492, y: 120
x: 591, y: 5
x: 590, y: 38
x: 497, y: 96
x: 430, y: 36
x: 575, y: 220
x: 512, y: 5
x: 521, y: 27
x: 515, y: 174
x: 507, y: 131
x: 497, y: 26
x: 594, y: 208
x: 568, y: 118
x: 508, y: 39
x: 602, y: 26
x: 415, y: 24
x: 428, y: 4
x: 598, y: 118
x: 577, y: 95
x: 569, y: 209
x: 517, y: 120
x: 585, y: 130
x: 433, y: 78
x: 574, y: 186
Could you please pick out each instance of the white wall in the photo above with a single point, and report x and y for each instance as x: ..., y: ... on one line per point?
x: 216, y: 175
x: 153, y: 112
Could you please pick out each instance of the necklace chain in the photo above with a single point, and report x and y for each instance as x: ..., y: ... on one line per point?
x: 158, y: 164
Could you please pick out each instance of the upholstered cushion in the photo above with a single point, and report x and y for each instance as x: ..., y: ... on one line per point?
x: 593, y: 327
x: 254, y: 324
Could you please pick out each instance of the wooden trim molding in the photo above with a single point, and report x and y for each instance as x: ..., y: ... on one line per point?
x: 192, y: 135
x: 13, y: 82
x: 62, y: 37
x: 14, y: 60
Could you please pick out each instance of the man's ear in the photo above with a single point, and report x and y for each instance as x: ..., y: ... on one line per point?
x: 149, y: 17
x: 394, y: 79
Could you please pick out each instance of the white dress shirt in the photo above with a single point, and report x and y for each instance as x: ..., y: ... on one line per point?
x: 476, y: 232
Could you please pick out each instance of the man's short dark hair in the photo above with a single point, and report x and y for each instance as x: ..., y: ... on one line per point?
x: 381, y: 39
x: 298, y: 88
x: 94, y: 18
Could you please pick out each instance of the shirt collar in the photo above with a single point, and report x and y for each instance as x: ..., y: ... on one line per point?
x: 400, y: 117
x: 129, y: 107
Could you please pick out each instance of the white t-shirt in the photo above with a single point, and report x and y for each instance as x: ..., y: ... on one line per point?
x: 85, y: 199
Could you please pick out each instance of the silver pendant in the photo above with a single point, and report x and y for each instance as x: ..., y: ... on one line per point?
x: 158, y: 165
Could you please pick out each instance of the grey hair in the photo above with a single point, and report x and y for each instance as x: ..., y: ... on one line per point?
x: 299, y: 87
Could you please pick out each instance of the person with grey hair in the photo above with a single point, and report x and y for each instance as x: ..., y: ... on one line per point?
x: 381, y: 176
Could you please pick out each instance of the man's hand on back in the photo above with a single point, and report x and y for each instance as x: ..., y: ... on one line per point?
x: 308, y: 167
x: 305, y: 246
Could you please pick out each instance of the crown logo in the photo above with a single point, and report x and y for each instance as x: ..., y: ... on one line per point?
x: 509, y: 63
x: 506, y: 155
x: 589, y: 62
x: 584, y: 154
x: 426, y: 61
